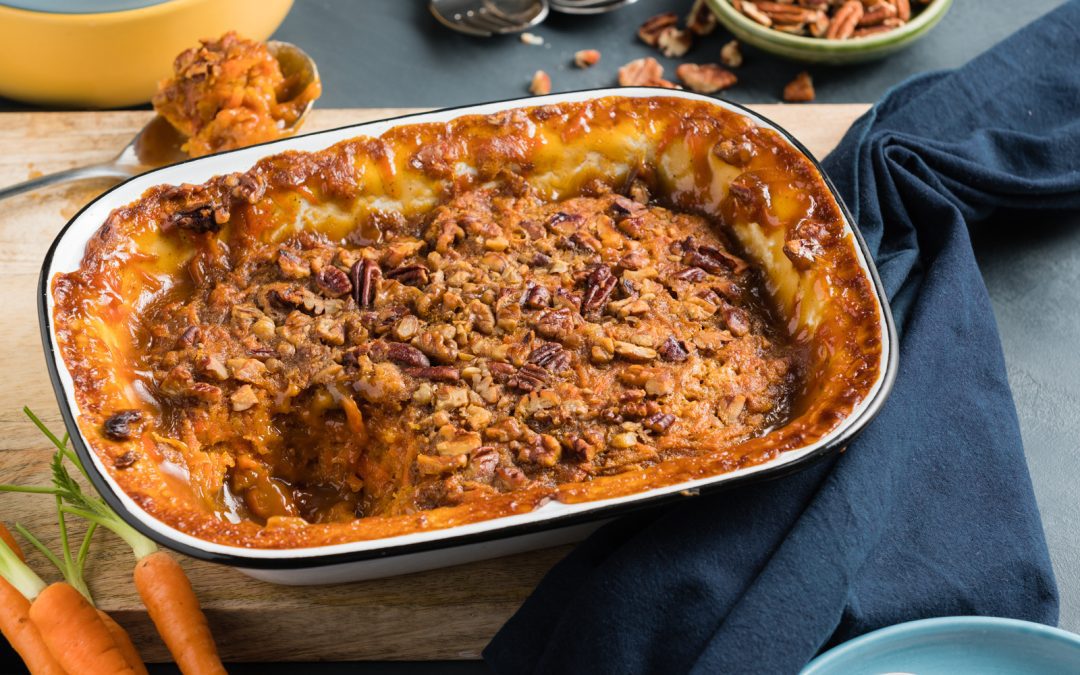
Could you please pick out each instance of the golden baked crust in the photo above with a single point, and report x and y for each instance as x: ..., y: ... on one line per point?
x: 459, y: 321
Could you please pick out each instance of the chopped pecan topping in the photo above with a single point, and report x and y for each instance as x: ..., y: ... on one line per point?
x: 673, y: 350
x: 199, y: 220
x: 126, y: 460
x: 403, y: 354
x: 537, y: 297
x: 713, y: 260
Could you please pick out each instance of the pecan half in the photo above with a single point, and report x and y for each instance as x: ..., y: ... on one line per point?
x: 410, y: 275
x: 551, y: 356
x: 364, y: 277
x: 650, y: 31
x: 646, y: 72
x: 199, y: 220
x: 599, y: 285
x: 536, y: 297
x: 402, y: 354
x: 843, y: 23
x: 435, y: 373
x: 529, y: 377
x: 713, y: 260
x: 705, y: 78
x: 332, y: 281
x: 660, y: 422
x: 873, y: 16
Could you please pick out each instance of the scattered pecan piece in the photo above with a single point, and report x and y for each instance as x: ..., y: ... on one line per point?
x: 701, y: 20
x: 364, y: 277
x: 731, y: 54
x: 691, y: 274
x: 674, y: 43
x: 333, y: 282
x: 800, y: 90
x: 118, y: 425
x: 200, y: 220
x: 646, y: 72
x: 540, y: 83
x: 802, y: 252
x: 586, y: 58
x: 191, y: 336
x: 599, y: 285
x: 705, y: 78
x: 650, y: 31
x: 532, y: 39
x: 580, y: 449
x: 713, y: 260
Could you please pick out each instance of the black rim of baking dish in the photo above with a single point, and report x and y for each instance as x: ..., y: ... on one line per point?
x: 391, y: 550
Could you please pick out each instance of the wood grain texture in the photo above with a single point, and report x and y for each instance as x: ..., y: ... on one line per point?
x: 443, y: 614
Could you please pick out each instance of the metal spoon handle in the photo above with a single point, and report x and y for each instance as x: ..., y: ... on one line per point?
x: 109, y: 169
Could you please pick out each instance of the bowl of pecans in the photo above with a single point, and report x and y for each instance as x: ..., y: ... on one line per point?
x: 830, y: 31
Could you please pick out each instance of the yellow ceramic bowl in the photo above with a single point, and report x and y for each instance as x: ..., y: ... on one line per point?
x: 113, y: 58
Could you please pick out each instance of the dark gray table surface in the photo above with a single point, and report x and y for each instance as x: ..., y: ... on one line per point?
x: 391, y: 53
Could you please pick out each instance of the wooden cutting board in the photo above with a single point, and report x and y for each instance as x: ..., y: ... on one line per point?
x: 443, y: 614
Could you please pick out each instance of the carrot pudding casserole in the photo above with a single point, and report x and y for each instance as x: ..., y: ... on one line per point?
x: 459, y: 321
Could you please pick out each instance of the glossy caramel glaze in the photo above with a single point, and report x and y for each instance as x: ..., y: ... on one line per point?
x: 123, y: 320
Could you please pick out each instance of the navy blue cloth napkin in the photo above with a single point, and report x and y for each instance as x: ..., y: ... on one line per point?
x: 930, y: 512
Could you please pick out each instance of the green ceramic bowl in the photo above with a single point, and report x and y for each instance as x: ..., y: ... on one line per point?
x: 819, y: 50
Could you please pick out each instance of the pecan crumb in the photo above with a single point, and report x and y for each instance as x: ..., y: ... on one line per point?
x: 800, y: 90
x: 540, y: 84
x: 586, y: 58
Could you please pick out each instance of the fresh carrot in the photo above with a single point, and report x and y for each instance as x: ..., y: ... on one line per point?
x: 168, y: 596
x: 123, y: 641
x: 77, y: 637
x: 15, y: 624
x: 9, y: 539
x: 161, y: 582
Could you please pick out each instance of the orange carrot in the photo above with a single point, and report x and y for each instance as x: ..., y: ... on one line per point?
x: 171, y: 602
x: 23, y: 634
x: 75, y: 634
x: 9, y: 539
x: 123, y: 641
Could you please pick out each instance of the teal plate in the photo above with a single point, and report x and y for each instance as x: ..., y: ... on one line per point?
x: 956, y: 645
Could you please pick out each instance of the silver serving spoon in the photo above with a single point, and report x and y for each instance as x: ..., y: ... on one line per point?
x: 581, y: 7
x: 484, y: 18
x: 158, y: 143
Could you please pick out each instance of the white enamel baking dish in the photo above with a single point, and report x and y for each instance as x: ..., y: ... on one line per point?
x: 552, y: 524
